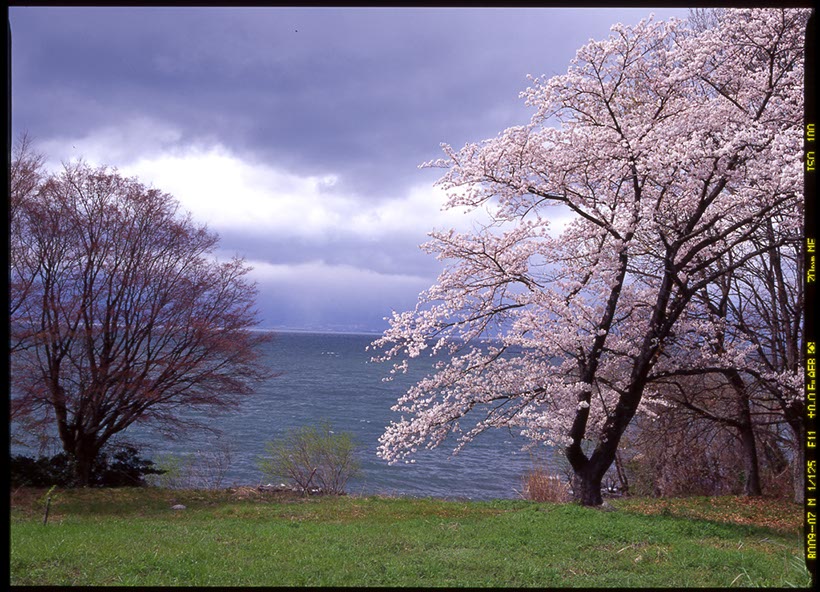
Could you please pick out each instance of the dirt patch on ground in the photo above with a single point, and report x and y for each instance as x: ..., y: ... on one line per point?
x: 773, y: 513
x: 260, y: 494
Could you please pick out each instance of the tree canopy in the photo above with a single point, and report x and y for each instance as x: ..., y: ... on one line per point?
x: 119, y: 310
x: 673, y: 148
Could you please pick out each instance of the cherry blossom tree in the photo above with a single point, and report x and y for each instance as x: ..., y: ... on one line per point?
x: 120, y: 312
x: 760, y: 303
x: 670, y: 147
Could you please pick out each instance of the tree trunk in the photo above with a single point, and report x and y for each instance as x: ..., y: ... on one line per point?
x: 586, y: 488
x: 588, y: 474
x: 752, y: 486
x: 85, y: 454
x: 799, y: 474
x: 745, y: 426
x: 622, y: 476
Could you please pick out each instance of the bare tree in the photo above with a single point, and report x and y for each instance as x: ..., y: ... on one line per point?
x: 766, y: 309
x: 25, y: 175
x: 121, y: 313
x: 757, y: 307
x: 702, y: 19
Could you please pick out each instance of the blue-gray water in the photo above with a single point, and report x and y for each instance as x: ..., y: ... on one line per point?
x: 330, y: 377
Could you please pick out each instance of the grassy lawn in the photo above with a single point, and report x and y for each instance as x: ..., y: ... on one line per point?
x: 132, y: 537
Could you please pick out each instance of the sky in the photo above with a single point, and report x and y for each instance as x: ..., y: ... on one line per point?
x: 294, y: 133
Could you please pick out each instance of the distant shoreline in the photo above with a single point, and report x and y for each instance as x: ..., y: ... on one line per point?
x: 317, y: 332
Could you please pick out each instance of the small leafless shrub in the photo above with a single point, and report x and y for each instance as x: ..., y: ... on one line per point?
x: 540, y: 485
x: 314, y: 459
x: 204, y: 468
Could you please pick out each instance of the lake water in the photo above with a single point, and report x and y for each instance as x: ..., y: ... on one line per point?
x: 330, y: 377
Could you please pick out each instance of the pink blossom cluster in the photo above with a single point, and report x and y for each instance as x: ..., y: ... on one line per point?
x: 671, y: 147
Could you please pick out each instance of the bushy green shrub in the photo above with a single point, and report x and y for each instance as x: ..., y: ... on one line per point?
x: 123, y: 467
x: 118, y: 466
x: 42, y: 472
x: 314, y: 459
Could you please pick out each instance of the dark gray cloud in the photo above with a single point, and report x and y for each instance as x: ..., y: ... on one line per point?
x: 368, y: 92
x: 400, y: 255
x: 360, y: 94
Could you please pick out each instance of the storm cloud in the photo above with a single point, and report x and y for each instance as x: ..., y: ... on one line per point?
x: 295, y: 133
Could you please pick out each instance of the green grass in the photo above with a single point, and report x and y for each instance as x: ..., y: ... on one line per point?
x: 132, y: 537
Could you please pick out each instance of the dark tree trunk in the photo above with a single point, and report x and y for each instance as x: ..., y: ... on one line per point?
x: 622, y: 476
x: 747, y: 436
x: 586, y: 487
x: 82, y: 447
x: 752, y: 467
x: 84, y: 467
x: 85, y: 454
x: 589, y: 471
x: 799, y: 475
